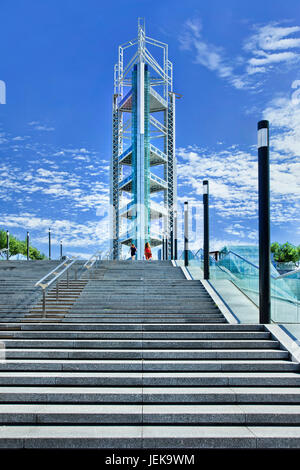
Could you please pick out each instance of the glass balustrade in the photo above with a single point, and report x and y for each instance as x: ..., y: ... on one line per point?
x: 244, y: 274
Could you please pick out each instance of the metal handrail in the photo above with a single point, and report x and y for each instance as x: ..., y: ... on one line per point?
x: 90, y: 262
x: 45, y: 285
x: 257, y: 267
x: 108, y: 253
x: 125, y: 180
x: 275, y: 278
x: 125, y: 153
x: 159, y: 152
x: 288, y: 273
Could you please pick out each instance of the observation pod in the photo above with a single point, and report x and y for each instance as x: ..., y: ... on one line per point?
x: 143, y: 186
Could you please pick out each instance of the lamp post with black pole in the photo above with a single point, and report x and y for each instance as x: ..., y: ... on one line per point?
x: 61, y: 250
x: 166, y: 246
x: 49, y: 242
x: 186, y: 234
x: 27, y: 245
x: 7, y: 245
x: 264, y: 221
x: 175, y: 235
x: 205, y: 230
x: 172, y: 243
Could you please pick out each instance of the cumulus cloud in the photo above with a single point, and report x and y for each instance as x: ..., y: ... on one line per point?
x: 232, y: 171
x: 72, y: 233
x: 268, y: 47
x: 283, y: 113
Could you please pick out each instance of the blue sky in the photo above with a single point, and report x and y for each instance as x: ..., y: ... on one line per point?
x: 234, y: 64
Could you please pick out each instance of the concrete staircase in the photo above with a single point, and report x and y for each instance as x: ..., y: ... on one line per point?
x: 145, y: 359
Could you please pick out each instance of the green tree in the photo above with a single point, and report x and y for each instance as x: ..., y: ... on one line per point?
x: 17, y: 246
x: 285, y: 253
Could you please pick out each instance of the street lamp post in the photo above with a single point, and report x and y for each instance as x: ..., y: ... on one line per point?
x: 205, y: 229
x: 27, y: 245
x: 186, y: 234
x: 49, y: 242
x: 175, y: 235
x: 264, y: 221
x: 172, y: 244
x: 166, y: 247
x: 61, y: 250
x: 7, y: 245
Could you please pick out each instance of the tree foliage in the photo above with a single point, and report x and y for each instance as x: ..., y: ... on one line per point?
x: 285, y: 253
x: 17, y: 246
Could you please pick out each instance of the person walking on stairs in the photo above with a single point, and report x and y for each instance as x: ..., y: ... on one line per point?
x: 148, y: 253
x: 132, y: 251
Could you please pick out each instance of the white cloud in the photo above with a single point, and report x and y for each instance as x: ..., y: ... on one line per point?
x: 273, y: 37
x: 270, y: 45
x: 232, y: 172
x: 207, y: 54
x: 283, y: 113
x: 40, y: 127
x: 20, y: 138
x: 72, y: 233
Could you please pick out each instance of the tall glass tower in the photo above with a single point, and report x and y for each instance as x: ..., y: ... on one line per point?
x: 143, y: 187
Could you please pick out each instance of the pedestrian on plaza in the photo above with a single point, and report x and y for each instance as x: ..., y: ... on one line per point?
x: 148, y: 254
x: 132, y: 251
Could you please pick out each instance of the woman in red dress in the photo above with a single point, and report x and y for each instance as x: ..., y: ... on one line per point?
x: 148, y: 254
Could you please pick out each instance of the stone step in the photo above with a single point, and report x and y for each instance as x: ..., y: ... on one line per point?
x: 224, y: 414
x: 143, y: 319
x: 153, y: 379
x: 145, y: 365
x: 125, y: 354
x: 120, y: 314
x: 164, y: 299
x: 142, y: 335
x: 156, y: 344
x: 149, y: 437
x: 195, y: 395
x: 130, y: 327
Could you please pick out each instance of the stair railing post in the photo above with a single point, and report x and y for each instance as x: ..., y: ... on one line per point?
x: 264, y: 221
x: 186, y: 234
x: 205, y: 229
x: 68, y: 279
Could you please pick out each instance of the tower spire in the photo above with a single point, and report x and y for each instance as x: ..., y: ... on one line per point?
x: 141, y: 38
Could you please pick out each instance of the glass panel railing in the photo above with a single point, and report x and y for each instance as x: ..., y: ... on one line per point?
x: 285, y: 290
x: 244, y: 274
x: 285, y: 299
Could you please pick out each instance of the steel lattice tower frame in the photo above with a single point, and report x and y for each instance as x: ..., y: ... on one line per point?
x: 134, y: 127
